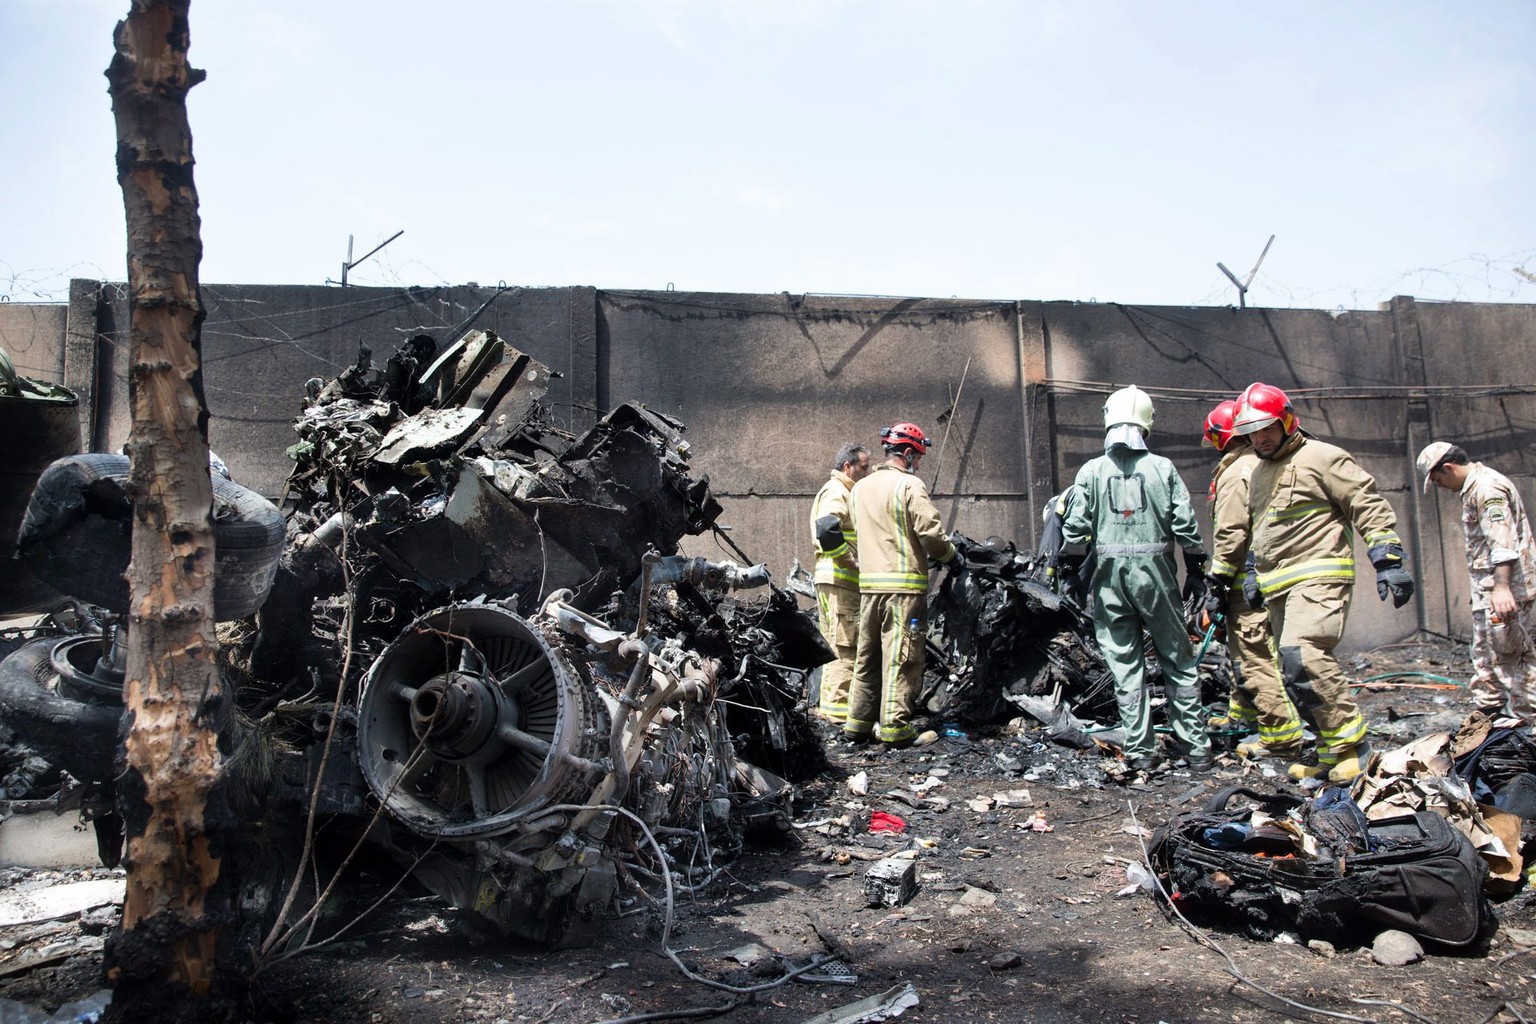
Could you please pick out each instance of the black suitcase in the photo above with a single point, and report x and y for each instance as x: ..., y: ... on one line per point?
x: 1416, y: 872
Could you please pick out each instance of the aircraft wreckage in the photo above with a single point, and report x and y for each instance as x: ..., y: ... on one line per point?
x: 470, y: 637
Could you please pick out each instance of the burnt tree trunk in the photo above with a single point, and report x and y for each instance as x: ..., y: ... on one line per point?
x: 168, y: 961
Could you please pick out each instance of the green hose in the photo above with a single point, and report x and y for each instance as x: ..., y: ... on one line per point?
x: 1401, y: 675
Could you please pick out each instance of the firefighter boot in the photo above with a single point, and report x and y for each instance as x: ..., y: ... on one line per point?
x: 1351, y: 763
x: 1301, y: 772
x: 1258, y: 750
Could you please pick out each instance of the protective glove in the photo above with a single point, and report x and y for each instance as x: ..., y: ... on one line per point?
x: 1394, y: 579
x: 1391, y: 577
x: 1069, y: 581
x: 1251, y: 589
x: 829, y: 535
x: 1216, y: 590
x: 1195, y: 584
x: 962, y: 549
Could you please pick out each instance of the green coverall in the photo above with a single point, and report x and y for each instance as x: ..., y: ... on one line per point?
x: 1135, y: 512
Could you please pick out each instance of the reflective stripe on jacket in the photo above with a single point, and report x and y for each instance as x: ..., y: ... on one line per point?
x: 1305, y: 504
x: 1229, y: 511
x: 840, y: 566
x: 899, y: 532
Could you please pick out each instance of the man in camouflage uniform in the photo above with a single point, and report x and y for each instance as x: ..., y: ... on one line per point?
x: 1306, y: 501
x: 837, y: 576
x: 1501, y: 560
x: 899, y: 532
x: 1258, y: 700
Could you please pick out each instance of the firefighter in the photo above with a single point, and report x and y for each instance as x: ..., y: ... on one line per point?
x: 899, y: 533
x: 1258, y: 700
x: 1134, y: 509
x: 1070, y: 581
x: 1306, y: 501
x: 837, y: 576
x: 1501, y: 561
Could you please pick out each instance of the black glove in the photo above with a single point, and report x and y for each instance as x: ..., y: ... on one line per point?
x: 1196, y: 587
x: 1251, y: 589
x: 1394, y: 579
x: 1069, y: 580
x: 1216, y: 590
x: 962, y: 547
x: 829, y: 534
x: 1391, y: 577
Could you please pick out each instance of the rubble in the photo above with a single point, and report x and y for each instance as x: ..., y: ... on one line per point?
x: 1320, y: 868
x: 1001, y: 638
x: 893, y: 1002
x: 1393, y: 948
x: 548, y: 716
x: 891, y: 882
x: 555, y: 712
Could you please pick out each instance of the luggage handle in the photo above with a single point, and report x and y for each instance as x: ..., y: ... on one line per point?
x: 1269, y: 801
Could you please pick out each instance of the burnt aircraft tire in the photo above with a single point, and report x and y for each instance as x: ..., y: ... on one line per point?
x: 75, y: 735
x: 87, y: 557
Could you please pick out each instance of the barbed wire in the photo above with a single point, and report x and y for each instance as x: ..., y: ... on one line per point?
x: 1474, y: 278
x: 1477, y: 277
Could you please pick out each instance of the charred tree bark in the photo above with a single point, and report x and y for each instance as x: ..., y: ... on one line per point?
x: 169, y: 961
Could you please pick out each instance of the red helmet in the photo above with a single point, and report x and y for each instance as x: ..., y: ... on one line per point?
x: 905, y: 435
x: 1260, y: 405
x: 1218, y: 425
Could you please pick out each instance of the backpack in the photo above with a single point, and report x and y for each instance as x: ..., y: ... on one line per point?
x: 1414, y: 872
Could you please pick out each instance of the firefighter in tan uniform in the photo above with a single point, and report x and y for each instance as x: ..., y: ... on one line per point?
x: 899, y: 533
x: 1501, y: 560
x: 1306, y: 501
x: 1258, y: 700
x: 837, y: 576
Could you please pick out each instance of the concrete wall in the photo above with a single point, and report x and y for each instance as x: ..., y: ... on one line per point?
x: 769, y: 385
x: 32, y: 336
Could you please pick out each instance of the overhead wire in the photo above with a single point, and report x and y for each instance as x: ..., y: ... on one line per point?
x: 1380, y: 392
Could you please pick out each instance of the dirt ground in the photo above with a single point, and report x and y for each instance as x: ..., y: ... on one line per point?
x: 1009, y: 923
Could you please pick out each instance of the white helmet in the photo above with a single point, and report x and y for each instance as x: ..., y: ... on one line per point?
x: 1129, y: 405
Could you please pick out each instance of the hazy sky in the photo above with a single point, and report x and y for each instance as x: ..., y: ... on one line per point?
x: 1038, y: 150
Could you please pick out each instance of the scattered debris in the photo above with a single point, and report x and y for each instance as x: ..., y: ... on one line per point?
x: 1394, y: 948
x: 747, y: 955
x: 55, y: 901
x: 893, y: 1002
x: 79, y: 1011
x: 551, y: 705
x: 977, y: 899
x: 1003, y: 638
x: 1321, y: 868
x: 830, y: 972
x: 1035, y: 823
x: 1139, y: 879
x: 890, y: 883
